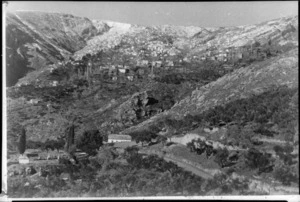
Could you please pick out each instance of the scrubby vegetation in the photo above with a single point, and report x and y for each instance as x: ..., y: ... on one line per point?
x: 139, y: 175
x: 246, y: 122
x: 265, y: 110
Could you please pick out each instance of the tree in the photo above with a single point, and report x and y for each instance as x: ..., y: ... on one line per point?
x: 22, y: 142
x: 256, y: 44
x: 145, y: 136
x: 133, y: 157
x: 200, y: 146
x: 90, y: 141
x: 170, y: 126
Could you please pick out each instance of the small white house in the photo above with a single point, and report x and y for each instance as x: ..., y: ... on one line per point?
x: 34, y: 101
x: 122, y: 71
x: 54, y: 83
x: 130, y: 78
x: 118, y: 138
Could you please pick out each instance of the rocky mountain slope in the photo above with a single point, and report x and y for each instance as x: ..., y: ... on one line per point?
x: 194, y: 41
x: 36, y: 39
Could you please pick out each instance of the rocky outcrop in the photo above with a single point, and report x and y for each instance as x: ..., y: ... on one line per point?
x: 146, y: 104
x: 136, y: 108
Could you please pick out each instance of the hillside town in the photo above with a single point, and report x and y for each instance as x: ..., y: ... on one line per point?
x: 97, y: 108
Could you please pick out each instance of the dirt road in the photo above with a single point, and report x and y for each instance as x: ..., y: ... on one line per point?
x: 184, y: 165
x: 190, y: 168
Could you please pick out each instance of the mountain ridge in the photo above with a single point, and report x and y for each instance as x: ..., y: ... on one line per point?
x: 70, y: 34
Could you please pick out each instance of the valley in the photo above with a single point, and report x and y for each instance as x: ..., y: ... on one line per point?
x: 198, y: 111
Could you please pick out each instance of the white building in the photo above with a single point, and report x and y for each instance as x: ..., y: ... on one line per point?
x: 130, y: 78
x: 54, y: 83
x: 122, y: 71
x: 34, y: 101
x: 118, y: 138
x: 143, y: 63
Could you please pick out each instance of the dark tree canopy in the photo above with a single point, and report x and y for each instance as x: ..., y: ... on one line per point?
x: 90, y: 141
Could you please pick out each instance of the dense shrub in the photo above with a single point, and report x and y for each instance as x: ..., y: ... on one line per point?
x: 285, y: 174
x: 221, y: 157
x: 256, y: 159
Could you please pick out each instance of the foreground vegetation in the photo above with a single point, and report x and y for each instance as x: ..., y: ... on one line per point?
x: 107, y: 175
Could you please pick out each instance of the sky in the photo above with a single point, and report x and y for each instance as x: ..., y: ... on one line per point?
x: 203, y: 14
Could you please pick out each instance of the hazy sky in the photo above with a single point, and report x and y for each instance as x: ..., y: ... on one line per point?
x: 207, y: 14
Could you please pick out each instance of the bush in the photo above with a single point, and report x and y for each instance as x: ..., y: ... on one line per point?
x: 221, y: 157
x: 285, y: 175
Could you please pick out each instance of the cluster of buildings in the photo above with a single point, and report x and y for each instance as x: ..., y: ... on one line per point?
x: 232, y: 53
x: 143, y: 62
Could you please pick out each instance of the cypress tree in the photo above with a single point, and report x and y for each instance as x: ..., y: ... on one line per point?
x: 22, y: 142
x: 70, y: 138
x: 70, y: 147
